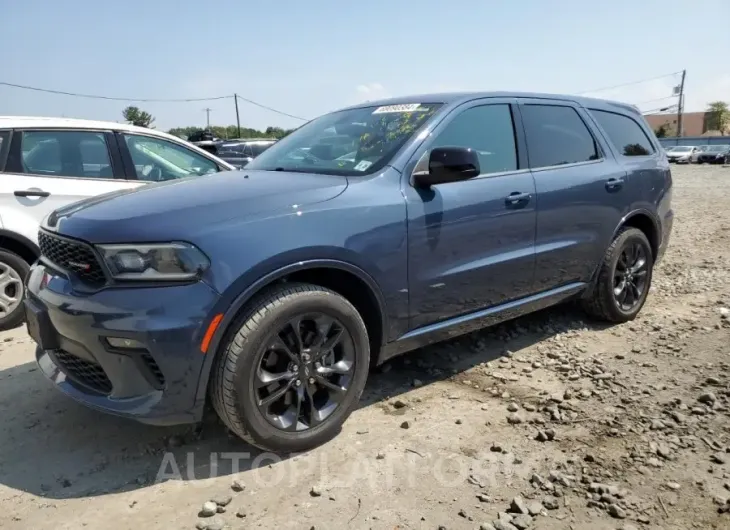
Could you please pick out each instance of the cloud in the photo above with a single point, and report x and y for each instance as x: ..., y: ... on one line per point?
x: 371, y: 91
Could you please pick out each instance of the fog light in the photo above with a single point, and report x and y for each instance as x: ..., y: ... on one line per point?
x: 125, y: 344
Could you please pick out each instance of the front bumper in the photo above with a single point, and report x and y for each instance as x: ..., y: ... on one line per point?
x: 154, y: 381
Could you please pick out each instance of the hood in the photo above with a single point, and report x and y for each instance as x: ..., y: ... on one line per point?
x: 173, y: 210
x: 678, y: 154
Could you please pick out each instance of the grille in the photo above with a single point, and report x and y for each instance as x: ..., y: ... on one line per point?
x: 82, y: 371
x: 153, y: 368
x: 72, y: 256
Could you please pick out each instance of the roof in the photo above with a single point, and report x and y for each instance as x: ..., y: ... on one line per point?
x: 9, y: 122
x: 460, y: 97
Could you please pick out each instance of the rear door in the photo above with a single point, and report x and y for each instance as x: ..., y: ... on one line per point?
x: 50, y: 168
x: 581, y: 189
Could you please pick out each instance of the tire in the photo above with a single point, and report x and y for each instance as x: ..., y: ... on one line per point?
x: 13, y: 272
x: 600, y: 302
x: 233, y: 389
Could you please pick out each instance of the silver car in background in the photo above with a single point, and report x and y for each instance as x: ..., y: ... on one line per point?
x: 682, y: 154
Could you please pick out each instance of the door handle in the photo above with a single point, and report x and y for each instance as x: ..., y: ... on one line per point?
x: 517, y: 198
x: 31, y: 193
x: 614, y: 184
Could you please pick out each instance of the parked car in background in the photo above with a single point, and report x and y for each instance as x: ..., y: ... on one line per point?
x: 681, y: 154
x: 205, y: 140
x: 47, y: 163
x: 700, y: 149
x: 271, y: 296
x: 241, y: 152
x: 715, y: 154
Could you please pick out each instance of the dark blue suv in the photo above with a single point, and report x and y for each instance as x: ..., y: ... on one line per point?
x: 367, y: 232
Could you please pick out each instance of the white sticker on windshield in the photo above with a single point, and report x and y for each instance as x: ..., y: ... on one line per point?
x: 362, y: 165
x: 405, y: 107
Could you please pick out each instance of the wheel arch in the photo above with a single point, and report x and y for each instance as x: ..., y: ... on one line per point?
x: 647, y: 223
x: 19, y: 245
x: 344, y: 278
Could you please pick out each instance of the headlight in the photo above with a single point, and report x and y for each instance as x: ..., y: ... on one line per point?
x: 160, y: 262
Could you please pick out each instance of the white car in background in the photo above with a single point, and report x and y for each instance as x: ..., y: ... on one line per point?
x: 47, y: 163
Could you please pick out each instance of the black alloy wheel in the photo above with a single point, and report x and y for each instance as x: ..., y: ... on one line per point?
x: 304, y: 372
x: 623, y: 279
x: 291, y: 368
x: 630, y: 276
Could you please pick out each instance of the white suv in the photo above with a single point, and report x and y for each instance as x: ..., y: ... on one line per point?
x: 46, y: 163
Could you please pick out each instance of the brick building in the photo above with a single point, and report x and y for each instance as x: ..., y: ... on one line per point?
x: 694, y: 123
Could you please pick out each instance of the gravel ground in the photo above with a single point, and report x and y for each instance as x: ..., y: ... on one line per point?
x: 547, y: 422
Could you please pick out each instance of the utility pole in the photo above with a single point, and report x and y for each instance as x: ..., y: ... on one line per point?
x: 207, y: 114
x: 680, y: 108
x: 238, y: 119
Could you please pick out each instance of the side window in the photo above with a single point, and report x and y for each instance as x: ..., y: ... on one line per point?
x: 80, y: 154
x: 247, y: 150
x: 556, y: 136
x: 157, y: 160
x: 488, y: 130
x: 4, y: 145
x: 625, y: 134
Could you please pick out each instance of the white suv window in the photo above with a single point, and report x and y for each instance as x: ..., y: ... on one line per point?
x: 158, y: 160
x: 81, y: 154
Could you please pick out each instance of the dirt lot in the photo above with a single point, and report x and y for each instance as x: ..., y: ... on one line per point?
x: 548, y: 422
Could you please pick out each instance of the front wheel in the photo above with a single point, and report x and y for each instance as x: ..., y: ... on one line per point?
x: 293, y: 368
x: 13, y: 270
x: 624, y: 278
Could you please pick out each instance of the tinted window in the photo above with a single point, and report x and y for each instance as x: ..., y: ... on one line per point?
x: 625, y: 134
x: 157, y: 160
x: 556, y: 136
x: 81, y: 154
x: 489, y: 131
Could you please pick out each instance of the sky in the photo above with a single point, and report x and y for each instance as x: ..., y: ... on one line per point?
x: 308, y: 58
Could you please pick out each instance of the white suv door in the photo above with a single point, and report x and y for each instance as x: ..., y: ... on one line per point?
x: 53, y: 168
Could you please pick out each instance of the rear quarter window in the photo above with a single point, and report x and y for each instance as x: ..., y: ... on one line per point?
x: 625, y: 133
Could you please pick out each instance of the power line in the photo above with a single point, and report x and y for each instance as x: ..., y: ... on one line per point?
x: 110, y: 98
x: 659, y: 110
x: 149, y: 100
x: 654, y: 100
x: 630, y: 83
x: 252, y: 102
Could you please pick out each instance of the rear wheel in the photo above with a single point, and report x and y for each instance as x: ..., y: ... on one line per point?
x: 293, y: 369
x: 13, y: 271
x: 624, y: 278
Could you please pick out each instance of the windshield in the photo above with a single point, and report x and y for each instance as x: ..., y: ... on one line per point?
x: 351, y: 142
x: 716, y: 148
x: 682, y: 149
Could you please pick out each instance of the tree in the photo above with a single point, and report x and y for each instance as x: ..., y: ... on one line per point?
x: 665, y: 130
x: 231, y: 131
x: 719, y: 116
x: 138, y: 117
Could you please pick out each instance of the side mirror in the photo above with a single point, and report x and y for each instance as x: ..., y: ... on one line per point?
x: 448, y: 164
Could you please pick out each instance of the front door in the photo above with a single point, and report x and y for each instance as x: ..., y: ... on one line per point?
x: 471, y: 243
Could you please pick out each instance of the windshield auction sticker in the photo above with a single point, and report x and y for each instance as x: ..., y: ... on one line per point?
x: 405, y: 107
